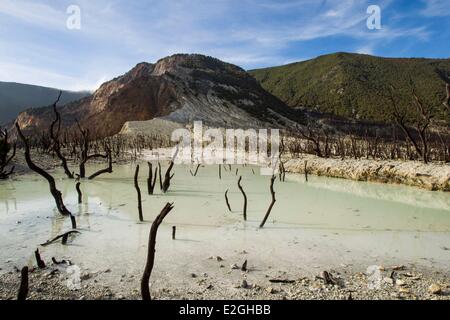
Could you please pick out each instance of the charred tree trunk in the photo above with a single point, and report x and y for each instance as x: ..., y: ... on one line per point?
x: 51, y: 181
x: 220, y: 171
x: 174, y: 232
x: 145, y: 290
x: 272, y: 180
x: 227, y: 201
x: 194, y: 174
x: 138, y: 190
x: 244, y: 266
x: 80, y: 195
x: 167, y: 177
x: 245, y: 198
x: 24, y: 286
x: 39, y: 261
x: 306, y: 171
x: 151, y: 181
x: 160, y: 176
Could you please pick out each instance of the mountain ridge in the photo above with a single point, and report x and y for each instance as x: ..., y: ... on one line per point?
x: 16, y: 97
x: 179, y: 88
x: 353, y: 85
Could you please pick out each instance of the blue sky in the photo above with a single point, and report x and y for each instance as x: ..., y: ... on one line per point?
x: 36, y: 46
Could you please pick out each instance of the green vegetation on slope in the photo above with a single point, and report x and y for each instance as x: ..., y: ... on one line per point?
x: 356, y: 86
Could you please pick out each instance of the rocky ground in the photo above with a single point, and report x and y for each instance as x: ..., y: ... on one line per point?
x: 433, y: 176
x: 380, y: 283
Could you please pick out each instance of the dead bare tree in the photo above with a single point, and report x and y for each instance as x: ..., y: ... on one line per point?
x: 54, y: 135
x: 245, y: 198
x: 5, y: 160
x: 24, y: 286
x: 85, y: 156
x: 145, y: 290
x: 272, y: 180
x: 421, y: 123
x: 51, y: 181
x: 151, y: 181
x: 109, y: 169
x: 138, y: 190
x: 311, y: 135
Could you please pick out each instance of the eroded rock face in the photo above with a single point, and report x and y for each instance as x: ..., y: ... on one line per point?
x: 180, y: 88
x: 434, y: 177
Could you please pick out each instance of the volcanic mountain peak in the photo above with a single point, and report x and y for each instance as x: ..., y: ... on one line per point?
x: 180, y: 88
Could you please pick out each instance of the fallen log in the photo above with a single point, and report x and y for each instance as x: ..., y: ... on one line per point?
x: 24, y: 286
x: 63, y: 236
x: 281, y: 281
x: 145, y: 290
x: 272, y: 181
x: 60, y: 262
x: 245, y: 198
x: 328, y: 278
x: 138, y: 190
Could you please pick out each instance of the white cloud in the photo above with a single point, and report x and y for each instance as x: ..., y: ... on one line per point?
x: 436, y: 8
x: 365, y: 50
x: 116, y: 34
x: 33, y: 13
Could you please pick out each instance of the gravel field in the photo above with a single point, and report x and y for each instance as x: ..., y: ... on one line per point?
x: 51, y: 283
